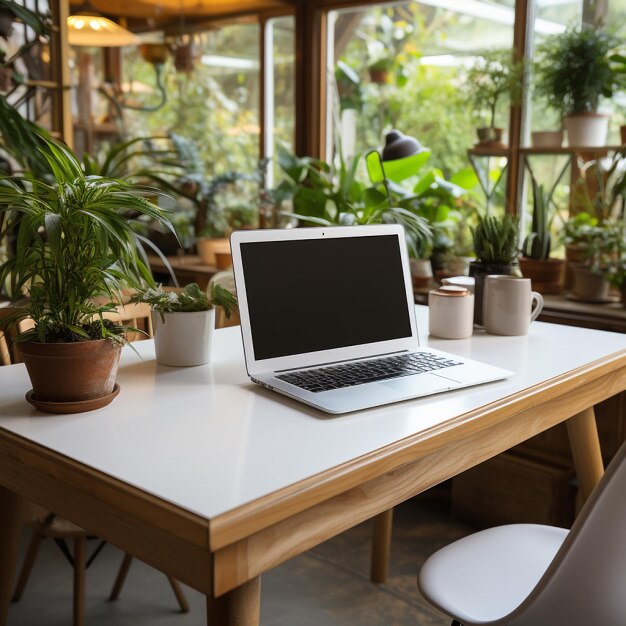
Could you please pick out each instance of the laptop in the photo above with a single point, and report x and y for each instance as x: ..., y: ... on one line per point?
x: 328, y: 318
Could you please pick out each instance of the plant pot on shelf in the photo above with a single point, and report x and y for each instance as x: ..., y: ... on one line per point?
x: 589, y: 285
x: 547, y: 138
x: 71, y: 372
x: 208, y: 246
x: 490, y: 136
x: 586, y: 129
x: 546, y: 275
x: 479, y: 271
x: 421, y: 272
x: 223, y: 260
x: 575, y: 254
x: 183, y: 339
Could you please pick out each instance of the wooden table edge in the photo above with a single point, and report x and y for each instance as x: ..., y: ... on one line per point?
x: 254, y: 516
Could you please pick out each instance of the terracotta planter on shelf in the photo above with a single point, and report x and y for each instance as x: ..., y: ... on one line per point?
x: 586, y: 129
x: 546, y: 275
x: 547, y: 138
x: 590, y: 286
x: 490, y: 136
x: 421, y: 272
x: 207, y: 247
x: 479, y: 271
x: 71, y: 372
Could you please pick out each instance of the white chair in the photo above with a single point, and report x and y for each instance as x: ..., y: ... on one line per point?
x: 531, y: 575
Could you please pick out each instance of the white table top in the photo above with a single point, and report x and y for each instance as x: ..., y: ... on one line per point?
x: 208, y: 440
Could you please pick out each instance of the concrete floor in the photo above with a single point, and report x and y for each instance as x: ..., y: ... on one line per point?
x: 327, y: 586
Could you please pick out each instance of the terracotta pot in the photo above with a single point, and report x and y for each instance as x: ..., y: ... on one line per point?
x: 489, y: 136
x: 575, y: 254
x: 421, y: 272
x: 71, y: 372
x: 207, y: 247
x: 155, y: 53
x: 547, y: 138
x: 586, y: 129
x: 479, y: 271
x: 546, y: 275
x: 590, y: 286
x: 380, y: 77
x: 223, y: 260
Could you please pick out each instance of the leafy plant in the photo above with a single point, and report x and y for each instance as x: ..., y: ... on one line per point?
x: 324, y: 195
x: 573, y: 69
x: 75, y: 242
x: 190, y: 299
x: 538, y: 243
x: 493, y: 77
x: 496, y: 240
x: 601, y: 242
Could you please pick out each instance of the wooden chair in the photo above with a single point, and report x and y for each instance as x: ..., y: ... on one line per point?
x: 46, y: 524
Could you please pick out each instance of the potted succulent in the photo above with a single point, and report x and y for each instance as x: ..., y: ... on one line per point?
x: 496, y: 249
x: 183, y: 322
x: 75, y: 243
x: 546, y: 274
x: 573, y: 74
x: 490, y: 80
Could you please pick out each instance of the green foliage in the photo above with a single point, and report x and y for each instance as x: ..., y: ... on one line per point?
x: 494, y: 77
x: 573, y: 69
x: 325, y: 196
x: 538, y: 243
x: 39, y: 23
x: 602, y: 242
x: 496, y: 240
x: 20, y: 139
x: 75, y: 243
x: 190, y: 299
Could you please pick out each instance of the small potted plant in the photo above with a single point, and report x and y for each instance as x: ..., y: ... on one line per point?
x: 573, y: 74
x: 492, y: 79
x: 496, y: 250
x: 599, y: 246
x: 546, y: 274
x: 75, y: 243
x: 184, y: 322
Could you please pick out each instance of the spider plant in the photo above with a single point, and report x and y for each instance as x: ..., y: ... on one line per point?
x: 75, y: 244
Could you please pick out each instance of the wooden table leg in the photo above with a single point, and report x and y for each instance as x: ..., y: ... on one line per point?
x: 583, y: 437
x: 381, y: 546
x: 239, y: 607
x: 10, y: 530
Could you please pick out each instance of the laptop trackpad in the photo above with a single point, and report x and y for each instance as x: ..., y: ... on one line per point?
x: 423, y: 384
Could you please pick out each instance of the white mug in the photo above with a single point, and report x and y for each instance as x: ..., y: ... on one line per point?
x: 509, y: 305
x: 451, y: 312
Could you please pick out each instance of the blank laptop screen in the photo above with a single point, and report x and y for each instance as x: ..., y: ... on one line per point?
x: 308, y: 295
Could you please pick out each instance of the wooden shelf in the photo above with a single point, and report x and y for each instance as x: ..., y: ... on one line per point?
x: 568, y: 150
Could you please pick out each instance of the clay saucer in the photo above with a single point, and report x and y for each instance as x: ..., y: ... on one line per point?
x: 81, y: 406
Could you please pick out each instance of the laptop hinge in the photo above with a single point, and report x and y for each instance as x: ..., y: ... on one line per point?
x: 362, y: 358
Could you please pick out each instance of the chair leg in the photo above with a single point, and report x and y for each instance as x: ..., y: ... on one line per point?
x: 180, y: 595
x: 29, y: 561
x: 79, y: 581
x: 121, y: 577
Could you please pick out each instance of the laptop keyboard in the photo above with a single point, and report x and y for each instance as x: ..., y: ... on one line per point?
x: 361, y: 372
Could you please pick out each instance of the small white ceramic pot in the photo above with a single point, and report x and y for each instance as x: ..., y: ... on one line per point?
x: 587, y: 129
x: 183, y: 339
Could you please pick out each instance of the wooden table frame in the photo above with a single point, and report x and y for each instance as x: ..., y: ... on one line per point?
x: 225, y: 556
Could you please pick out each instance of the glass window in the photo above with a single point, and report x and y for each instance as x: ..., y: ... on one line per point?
x: 280, y: 90
x: 405, y: 65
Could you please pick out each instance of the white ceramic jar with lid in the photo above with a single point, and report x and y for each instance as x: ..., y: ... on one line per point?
x: 451, y: 312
